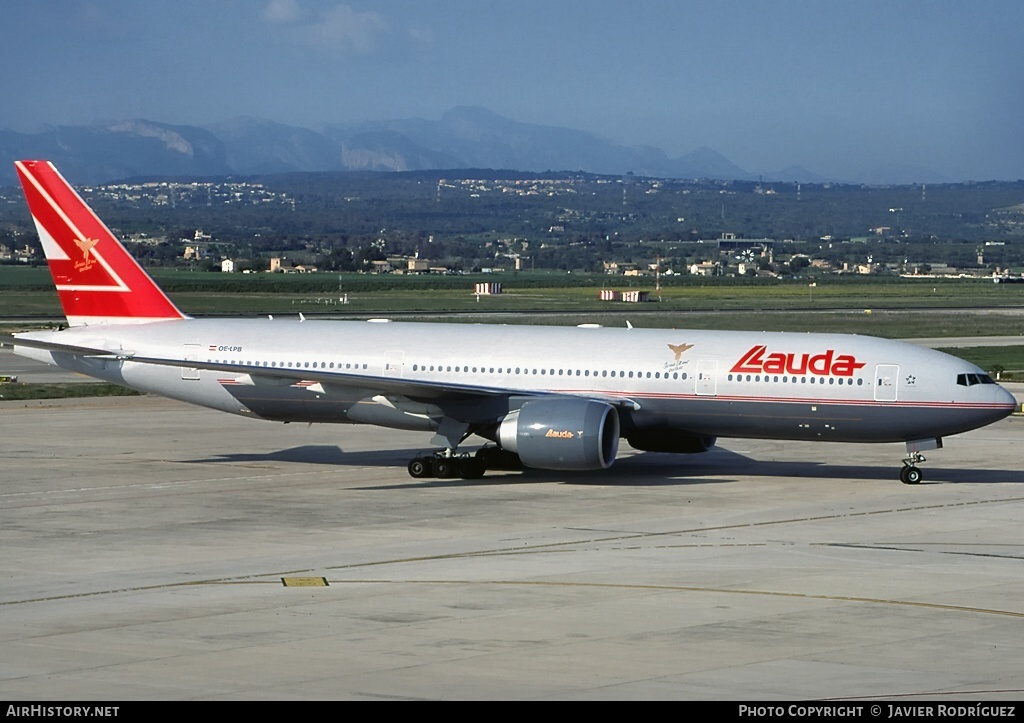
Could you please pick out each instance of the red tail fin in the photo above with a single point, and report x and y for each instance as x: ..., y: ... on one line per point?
x: 97, y: 280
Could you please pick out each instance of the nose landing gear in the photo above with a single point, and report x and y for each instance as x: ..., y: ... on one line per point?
x: 910, y: 474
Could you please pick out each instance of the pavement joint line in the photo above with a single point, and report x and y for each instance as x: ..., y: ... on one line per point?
x: 545, y: 583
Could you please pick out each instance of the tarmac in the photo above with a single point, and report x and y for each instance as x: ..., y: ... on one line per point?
x: 157, y: 551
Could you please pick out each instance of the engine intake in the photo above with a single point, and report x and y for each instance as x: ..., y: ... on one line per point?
x: 562, y: 434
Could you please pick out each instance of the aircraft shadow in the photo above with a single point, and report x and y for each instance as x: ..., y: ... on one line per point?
x: 327, y: 454
x: 646, y: 469
x: 721, y: 462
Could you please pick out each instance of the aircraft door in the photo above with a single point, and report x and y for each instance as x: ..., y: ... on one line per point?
x: 707, y: 377
x: 887, y: 379
x: 393, y: 362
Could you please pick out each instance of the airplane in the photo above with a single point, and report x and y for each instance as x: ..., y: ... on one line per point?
x: 553, y: 398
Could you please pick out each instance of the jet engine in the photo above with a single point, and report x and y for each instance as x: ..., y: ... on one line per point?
x: 669, y: 440
x: 562, y: 434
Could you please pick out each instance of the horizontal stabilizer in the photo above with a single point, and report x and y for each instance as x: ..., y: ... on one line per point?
x: 15, y: 340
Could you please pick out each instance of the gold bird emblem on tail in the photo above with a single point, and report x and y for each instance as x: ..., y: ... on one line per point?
x: 679, y: 349
x: 86, y: 245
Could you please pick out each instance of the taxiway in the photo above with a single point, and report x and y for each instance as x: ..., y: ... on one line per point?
x: 154, y: 550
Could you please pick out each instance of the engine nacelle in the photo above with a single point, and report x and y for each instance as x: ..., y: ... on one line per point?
x: 668, y: 440
x: 562, y: 434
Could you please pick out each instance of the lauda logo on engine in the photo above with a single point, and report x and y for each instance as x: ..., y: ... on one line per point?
x: 757, y: 361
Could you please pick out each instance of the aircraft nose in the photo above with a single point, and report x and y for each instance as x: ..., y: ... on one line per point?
x: 1005, y: 397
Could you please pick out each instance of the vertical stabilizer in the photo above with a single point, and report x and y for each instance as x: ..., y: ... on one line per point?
x: 97, y: 280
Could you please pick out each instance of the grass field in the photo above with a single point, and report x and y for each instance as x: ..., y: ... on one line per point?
x: 892, y: 308
x: 14, y: 392
x: 37, y: 298
x: 1006, y: 362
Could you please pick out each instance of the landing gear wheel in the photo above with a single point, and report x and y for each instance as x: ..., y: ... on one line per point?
x: 910, y: 475
x: 420, y: 467
x: 446, y: 468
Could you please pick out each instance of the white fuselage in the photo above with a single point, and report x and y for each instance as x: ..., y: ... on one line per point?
x: 742, y: 384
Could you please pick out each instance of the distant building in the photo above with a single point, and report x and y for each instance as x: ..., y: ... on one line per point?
x: 227, y: 266
x: 706, y: 268
x: 630, y: 296
x: 617, y: 267
x: 25, y: 254
x: 729, y: 242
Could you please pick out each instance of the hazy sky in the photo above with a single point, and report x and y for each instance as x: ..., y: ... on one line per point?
x: 843, y: 88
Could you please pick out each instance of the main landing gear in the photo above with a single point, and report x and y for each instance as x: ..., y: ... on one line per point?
x: 910, y: 474
x: 447, y: 464
x: 441, y: 465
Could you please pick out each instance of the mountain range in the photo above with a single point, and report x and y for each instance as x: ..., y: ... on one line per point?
x: 464, y: 137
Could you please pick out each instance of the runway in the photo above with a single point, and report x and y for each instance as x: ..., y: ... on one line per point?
x: 146, y: 542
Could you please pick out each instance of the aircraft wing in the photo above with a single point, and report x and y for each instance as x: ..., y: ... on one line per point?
x: 419, y: 390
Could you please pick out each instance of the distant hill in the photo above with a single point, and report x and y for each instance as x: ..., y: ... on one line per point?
x: 255, y: 146
x: 97, y: 154
x: 464, y: 137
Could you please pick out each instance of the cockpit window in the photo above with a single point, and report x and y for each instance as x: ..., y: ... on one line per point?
x: 969, y: 380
